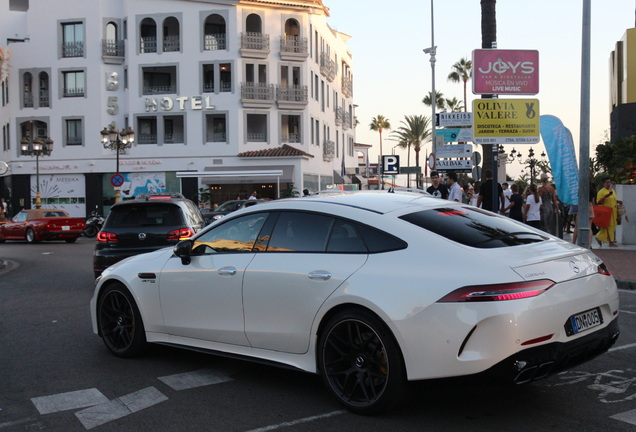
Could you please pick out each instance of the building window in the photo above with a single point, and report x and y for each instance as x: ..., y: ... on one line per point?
x: 44, y: 91
x: 159, y: 80
x: 216, y: 128
x: 290, y: 129
x: 256, y: 127
x: 214, y: 36
x: 173, y: 130
x: 73, y: 39
x: 146, y: 130
x: 148, y: 36
x: 171, y: 37
x: 73, y: 132
x: 27, y: 94
x: 74, y: 82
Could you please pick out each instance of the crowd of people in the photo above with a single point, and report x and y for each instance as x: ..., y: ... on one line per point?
x: 538, y: 206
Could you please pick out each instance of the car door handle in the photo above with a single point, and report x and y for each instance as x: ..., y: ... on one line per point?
x: 320, y: 274
x: 227, y: 271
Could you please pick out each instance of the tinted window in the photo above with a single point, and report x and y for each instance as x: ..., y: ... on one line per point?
x: 300, y: 232
x: 378, y: 241
x: 345, y: 238
x: 133, y: 215
x: 236, y: 235
x: 474, y: 227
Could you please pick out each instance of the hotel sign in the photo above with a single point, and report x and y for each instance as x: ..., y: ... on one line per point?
x: 506, y: 72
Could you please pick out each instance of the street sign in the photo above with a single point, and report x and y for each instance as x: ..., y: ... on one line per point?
x: 455, y: 134
x: 117, y: 180
x: 390, y: 164
x: 411, y: 170
x: 505, y: 72
x: 431, y: 161
x: 455, y: 151
x: 506, y: 121
x: 454, y: 165
x: 454, y: 119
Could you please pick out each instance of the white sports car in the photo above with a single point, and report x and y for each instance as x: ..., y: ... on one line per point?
x: 370, y: 290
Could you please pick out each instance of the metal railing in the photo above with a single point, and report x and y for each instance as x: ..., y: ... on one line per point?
x: 113, y: 48
x: 148, y: 90
x: 294, y: 44
x: 216, y: 137
x: 214, y: 42
x: 73, y: 49
x: 255, y: 41
x: 148, y: 44
x: 73, y: 92
x: 256, y: 137
x: 294, y: 93
x: 257, y: 91
x: 171, y: 43
x: 290, y: 138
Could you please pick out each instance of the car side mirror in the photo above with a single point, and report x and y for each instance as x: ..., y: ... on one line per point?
x: 183, y: 250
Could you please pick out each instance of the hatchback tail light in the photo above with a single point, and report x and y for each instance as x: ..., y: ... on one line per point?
x: 104, y: 236
x: 498, y: 292
x: 180, y: 234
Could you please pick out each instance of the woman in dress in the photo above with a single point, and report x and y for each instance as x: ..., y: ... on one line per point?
x: 607, y: 197
x: 549, y: 206
x: 532, y: 213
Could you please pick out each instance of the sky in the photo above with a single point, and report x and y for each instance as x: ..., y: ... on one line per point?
x: 392, y: 74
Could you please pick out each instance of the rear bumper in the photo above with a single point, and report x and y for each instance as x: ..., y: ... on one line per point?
x: 539, y: 362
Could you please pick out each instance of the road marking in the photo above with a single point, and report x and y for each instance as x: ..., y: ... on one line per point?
x: 296, y: 422
x: 188, y: 380
x: 622, y: 347
x: 627, y: 416
x: 627, y: 312
x: 68, y: 401
x: 120, y: 407
x: 34, y: 426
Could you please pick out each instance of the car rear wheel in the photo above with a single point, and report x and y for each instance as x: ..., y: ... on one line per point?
x: 29, y: 235
x: 361, y: 362
x: 119, y: 322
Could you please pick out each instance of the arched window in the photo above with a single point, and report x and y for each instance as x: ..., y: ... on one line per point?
x: 28, y: 90
x: 148, y: 32
x: 171, y: 39
x: 292, y: 28
x: 253, y: 24
x: 44, y: 95
x: 214, y: 37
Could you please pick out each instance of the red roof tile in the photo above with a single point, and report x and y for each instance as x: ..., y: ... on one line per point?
x: 283, y: 151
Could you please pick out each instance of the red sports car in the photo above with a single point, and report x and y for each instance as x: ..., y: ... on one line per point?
x: 42, y: 224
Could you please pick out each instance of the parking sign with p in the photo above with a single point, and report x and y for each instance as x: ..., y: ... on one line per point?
x: 390, y: 164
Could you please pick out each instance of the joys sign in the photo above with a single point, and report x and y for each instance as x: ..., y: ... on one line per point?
x: 506, y: 72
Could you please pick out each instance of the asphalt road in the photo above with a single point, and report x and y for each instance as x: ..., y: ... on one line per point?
x: 55, y: 375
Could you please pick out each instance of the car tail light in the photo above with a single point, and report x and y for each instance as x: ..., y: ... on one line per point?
x: 602, y: 269
x: 104, y: 236
x: 180, y: 234
x: 498, y: 292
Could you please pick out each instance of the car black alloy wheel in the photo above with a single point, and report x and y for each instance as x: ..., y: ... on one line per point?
x: 30, y: 236
x: 361, y: 363
x: 119, y: 322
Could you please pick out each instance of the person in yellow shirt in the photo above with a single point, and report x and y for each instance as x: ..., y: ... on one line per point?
x: 607, y: 197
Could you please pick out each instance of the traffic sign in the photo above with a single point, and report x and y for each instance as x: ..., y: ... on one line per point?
x: 506, y: 121
x: 454, y: 164
x: 455, y: 151
x: 431, y: 161
x: 117, y: 180
x: 390, y: 164
x: 454, y: 119
x: 455, y: 134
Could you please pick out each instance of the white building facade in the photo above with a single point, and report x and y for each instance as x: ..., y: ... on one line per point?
x: 229, y: 96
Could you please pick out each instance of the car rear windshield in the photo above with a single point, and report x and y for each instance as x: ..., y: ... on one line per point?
x: 474, y: 227
x: 132, y: 215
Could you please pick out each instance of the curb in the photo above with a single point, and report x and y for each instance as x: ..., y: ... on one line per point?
x: 626, y: 284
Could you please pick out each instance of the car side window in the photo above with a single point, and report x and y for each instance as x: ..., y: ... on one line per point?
x: 235, y: 235
x: 22, y: 217
x: 300, y: 232
x: 345, y: 238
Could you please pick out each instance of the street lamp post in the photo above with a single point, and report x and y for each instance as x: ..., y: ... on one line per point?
x: 531, y: 162
x: 37, y: 147
x: 113, y: 139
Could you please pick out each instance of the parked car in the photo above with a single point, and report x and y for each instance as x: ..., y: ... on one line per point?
x: 229, y: 207
x: 35, y: 225
x: 151, y: 222
x: 364, y: 289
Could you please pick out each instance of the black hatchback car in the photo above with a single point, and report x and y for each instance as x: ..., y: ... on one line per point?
x: 145, y: 224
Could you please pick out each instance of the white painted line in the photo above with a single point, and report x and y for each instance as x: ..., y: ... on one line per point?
x: 68, y: 401
x: 194, y: 379
x: 622, y: 347
x: 627, y: 417
x: 627, y: 312
x: 35, y: 426
x: 117, y: 408
x: 296, y: 422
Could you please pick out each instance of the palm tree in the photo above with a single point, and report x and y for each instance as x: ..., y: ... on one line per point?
x: 440, y: 102
x: 462, y: 72
x: 454, y: 105
x: 414, y: 132
x: 378, y: 124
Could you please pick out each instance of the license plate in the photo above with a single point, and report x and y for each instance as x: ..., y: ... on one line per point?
x: 583, y: 321
x: 66, y: 228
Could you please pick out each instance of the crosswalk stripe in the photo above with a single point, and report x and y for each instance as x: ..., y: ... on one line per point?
x: 194, y: 379
x: 68, y: 401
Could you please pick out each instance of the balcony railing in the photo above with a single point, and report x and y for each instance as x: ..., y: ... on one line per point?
x: 150, y: 90
x: 28, y: 100
x: 295, y: 93
x: 256, y: 137
x: 340, y: 115
x: 44, y: 99
x: 146, y: 138
x: 347, y: 87
x: 214, y: 42
x: 171, y: 138
x: 73, y: 92
x: 328, y: 151
x: 216, y: 137
x: 74, y: 140
x: 327, y: 67
x: 255, y: 45
x: 294, y: 47
x: 171, y: 43
x: 208, y: 87
x: 226, y: 86
x: 148, y: 44
x: 257, y: 94
x: 291, y: 138
x: 73, y: 49
x: 113, y: 48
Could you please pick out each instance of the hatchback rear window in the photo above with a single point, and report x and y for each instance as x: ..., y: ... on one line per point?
x: 474, y: 227
x: 144, y: 215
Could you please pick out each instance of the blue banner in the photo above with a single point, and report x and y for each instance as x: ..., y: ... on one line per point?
x: 560, y: 147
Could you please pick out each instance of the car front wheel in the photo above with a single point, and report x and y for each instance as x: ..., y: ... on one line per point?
x: 30, y: 236
x: 361, y: 362
x: 119, y: 322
